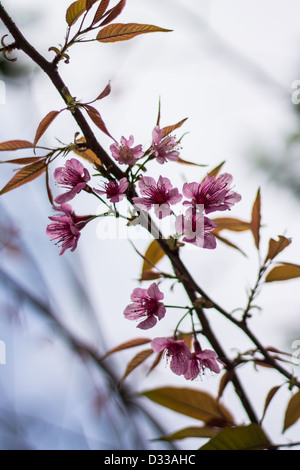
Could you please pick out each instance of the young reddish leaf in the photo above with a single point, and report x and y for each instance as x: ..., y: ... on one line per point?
x: 225, y: 380
x: 23, y: 161
x: 100, y: 11
x: 89, y: 4
x: 25, y: 175
x: 167, y: 130
x: 255, y: 223
x: 159, y: 111
x: 114, y: 12
x: 230, y: 223
x: 149, y: 275
x: 97, y: 119
x: 292, y: 413
x: 269, y: 398
x: 275, y: 247
x: 156, y: 362
x: 152, y: 256
x: 203, y: 431
x: 127, y: 345
x: 49, y: 192
x: 124, y: 32
x: 228, y: 242
x: 214, y: 173
x: 185, y: 162
x: 194, y: 403
x: 75, y: 11
x: 136, y: 361
x: 15, y: 145
x: 104, y: 93
x: 251, y: 437
x: 44, y: 124
x: 284, y: 272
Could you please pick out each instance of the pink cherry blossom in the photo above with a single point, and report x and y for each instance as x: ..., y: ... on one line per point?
x: 124, y: 153
x: 146, y: 303
x: 66, y: 228
x: 74, y: 177
x: 200, y: 361
x: 163, y: 148
x: 196, y: 227
x: 213, y: 193
x: 159, y: 195
x: 115, y: 191
x: 176, y: 352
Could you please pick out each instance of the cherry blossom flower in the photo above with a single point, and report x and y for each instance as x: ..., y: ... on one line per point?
x: 214, y: 193
x: 159, y: 195
x: 201, y: 360
x: 146, y: 303
x: 124, y: 153
x: 74, y: 177
x: 115, y: 191
x: 163, y: 148
x: 66, y: 228
x: 196, y: 227
x: 176, y: 352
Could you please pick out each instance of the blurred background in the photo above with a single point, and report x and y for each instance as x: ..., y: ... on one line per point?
x: 230, y: 68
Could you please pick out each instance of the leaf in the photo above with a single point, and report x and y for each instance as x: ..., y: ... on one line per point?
x: 204, y: 431
x: 15, y: 145
x: 214, y: 173
x: 75, y: 11
x: 255, y: 223
x: 275, y: 247
x: 100, y: 11
x: 49, y: 192
x: 152, y: 256
x: 90, y: 3
x: 292, y: 413
x: 114, y: 12
x: 194, y: 403
x: 127, y: 345
x: 228, y: 243
x: 185, y: 162
x: 97, y: 119
x: 156, y: 362
x: 105, y: 92
x: 159, y: 112
x: 25, y: 175
x: 136, y: 361
x: 87, y: 154
x: 269, y: 398
x: 124, y: 32
x: 251, y: 437
x: 23, y: 161
x: 44, y: 124
x: 230, y: 223
x: 150, y: 275
x: 167, y: 130
x: 284, y: 272
x: 225, y: 380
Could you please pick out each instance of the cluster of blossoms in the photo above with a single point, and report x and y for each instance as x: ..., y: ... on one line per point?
x: 147, y: 305
x: 198, y: 199
x: 183, y: 361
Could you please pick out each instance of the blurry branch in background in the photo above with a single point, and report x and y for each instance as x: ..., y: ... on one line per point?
x: 10, y: 240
